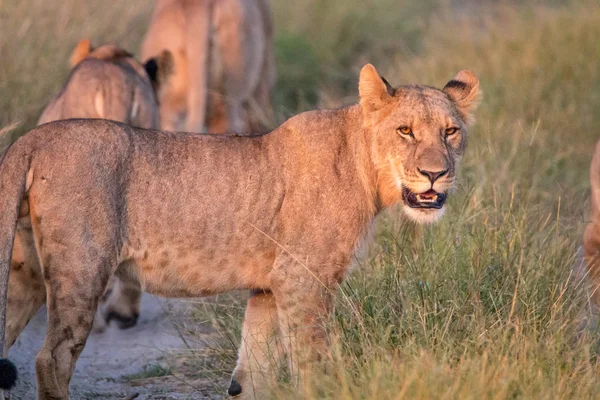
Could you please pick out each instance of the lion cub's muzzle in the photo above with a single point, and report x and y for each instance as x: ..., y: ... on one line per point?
x: 428, y: 199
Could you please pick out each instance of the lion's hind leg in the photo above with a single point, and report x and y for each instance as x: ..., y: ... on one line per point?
x: 26, y: 290
x: 74, y: 289
x: 76, y: 268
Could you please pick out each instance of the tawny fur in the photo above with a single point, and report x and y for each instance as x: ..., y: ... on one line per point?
x: 591, y: 235
x: 191, y: 215
x: 106, y: 82
x: 224, y: 67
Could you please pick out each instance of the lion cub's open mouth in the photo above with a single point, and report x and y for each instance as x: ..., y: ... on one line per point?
x: 428, y: 199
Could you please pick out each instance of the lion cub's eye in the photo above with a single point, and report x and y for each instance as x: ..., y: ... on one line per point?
x: 405, y: 130
x: 451, y: 131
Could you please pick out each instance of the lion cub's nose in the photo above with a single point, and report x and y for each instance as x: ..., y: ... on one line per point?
x: 433, y: 176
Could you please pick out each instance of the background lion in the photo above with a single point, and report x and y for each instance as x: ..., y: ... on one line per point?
x: 180, y: 215
x: 223, y: 64
x: 591, y: 237
x: 105, y: 82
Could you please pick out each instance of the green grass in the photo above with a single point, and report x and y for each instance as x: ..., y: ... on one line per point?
x: 150, y: 371
x: 479, y: 306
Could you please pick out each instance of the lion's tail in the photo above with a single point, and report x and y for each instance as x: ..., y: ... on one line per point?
x: 14, y: 167
x: 198, y: 24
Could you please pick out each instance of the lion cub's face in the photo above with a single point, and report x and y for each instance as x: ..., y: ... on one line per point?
x: 418, y: 136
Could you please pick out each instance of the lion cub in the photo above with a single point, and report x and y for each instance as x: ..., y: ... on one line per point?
x: 224, y: 67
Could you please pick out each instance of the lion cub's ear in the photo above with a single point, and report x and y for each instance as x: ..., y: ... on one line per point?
x: 83, y: 48
x: 463, y: 89
x: 374, y: 90
x: 159, y: 68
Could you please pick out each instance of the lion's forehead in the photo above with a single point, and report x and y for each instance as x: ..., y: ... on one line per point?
x: 424, y: 105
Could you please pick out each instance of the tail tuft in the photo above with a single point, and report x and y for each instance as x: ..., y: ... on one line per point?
x: 8, y: 374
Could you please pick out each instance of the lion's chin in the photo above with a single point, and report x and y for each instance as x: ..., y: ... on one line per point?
x: 424, y: 215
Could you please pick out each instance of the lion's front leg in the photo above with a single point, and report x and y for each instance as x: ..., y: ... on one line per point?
x: 123, y: 303
x: 260, y: 349
x: 304, y: 302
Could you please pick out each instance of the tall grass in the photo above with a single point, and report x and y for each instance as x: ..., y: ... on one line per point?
x: 482, y: 305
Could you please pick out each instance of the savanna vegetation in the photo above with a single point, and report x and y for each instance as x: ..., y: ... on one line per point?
x: 483, y: 305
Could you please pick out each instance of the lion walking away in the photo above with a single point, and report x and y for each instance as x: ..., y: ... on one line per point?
x: 183, y: 216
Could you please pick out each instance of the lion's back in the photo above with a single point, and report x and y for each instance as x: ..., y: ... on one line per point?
x: 105, y: 89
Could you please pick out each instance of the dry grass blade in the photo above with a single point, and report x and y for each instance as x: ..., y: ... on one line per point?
x: 8, y: 128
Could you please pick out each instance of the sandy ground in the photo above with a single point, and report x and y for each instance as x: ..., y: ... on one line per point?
x: 104, y: 369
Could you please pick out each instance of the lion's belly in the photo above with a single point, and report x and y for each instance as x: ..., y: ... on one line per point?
x: 177, y: 272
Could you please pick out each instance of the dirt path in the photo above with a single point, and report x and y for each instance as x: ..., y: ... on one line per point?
x: 110, y: 358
